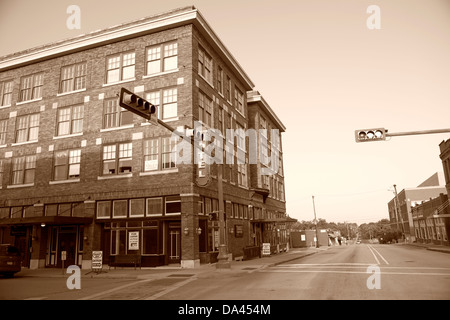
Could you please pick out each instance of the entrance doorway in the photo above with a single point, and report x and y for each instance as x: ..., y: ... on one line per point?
x: 67, y: 244
x: 174, y: 245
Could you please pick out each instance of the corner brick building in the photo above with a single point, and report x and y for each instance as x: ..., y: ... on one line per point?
x: 80, y: 174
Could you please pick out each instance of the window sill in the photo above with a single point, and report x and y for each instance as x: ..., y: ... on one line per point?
x: 64, y: 181
x: 151, y: 173
x: 118, y: 82
x: 12, y: 186
x: 28, y: 101
x: 160, y: 74
x: 206, y: 80
x: 115, y: 176
x: 6, y: 106
x: 22, y: 143
x: 128, y: 126
x: 3, y: 146
x: 70, y: 92
x: 68, y: 136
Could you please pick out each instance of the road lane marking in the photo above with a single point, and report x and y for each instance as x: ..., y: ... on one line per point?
x: 94, y: 296
x: 385, y: 261
x: 358, y: 272
x: 168, y: 290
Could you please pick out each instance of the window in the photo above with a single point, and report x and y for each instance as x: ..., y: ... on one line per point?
x: 104, y: 209
x: 205, y: 109
x: 120, y: 67
x: 27, y: 128
x: 151, y: 155
x: 114, y: 115
x: 73, y: 77
x: 242, y: 175
x: 168, y: 153
x: 6, y: 89
x: 228, y: 89
x: 220, y: 123
x: 120, y: 208
x: 1, y: 171
x: 137, y: 207
x: 117, y: 158
x: 70, y: 120
x: 239, y: 100
x: 23, y: 170
x: 169, y: 108
x: 205, y: 65
x: 154, y: 206
x: 3, y: 128
x: 168, y: 61
x: 67, y: 165
x: 31, y: 87
x: 220, y: 80
x: 173, y: 205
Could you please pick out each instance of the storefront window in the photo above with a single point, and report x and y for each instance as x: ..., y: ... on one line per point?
x: 104, y: 209
x: 120, y: 208
x: 154, y: 206
x: 118, y: 241
x: 173, y: 205
x: 150, y: 242
x: 137, y: 207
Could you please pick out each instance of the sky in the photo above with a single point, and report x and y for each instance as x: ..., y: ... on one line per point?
x: 323, y: 71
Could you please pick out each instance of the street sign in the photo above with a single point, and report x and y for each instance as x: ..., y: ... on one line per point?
x: 266, y: 249
x: 97, y: 260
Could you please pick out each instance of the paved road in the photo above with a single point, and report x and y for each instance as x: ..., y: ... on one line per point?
x: 355, y: 272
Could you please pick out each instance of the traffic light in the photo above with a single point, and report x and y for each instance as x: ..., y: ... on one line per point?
x: 365, y: 135
x: 136, y: 104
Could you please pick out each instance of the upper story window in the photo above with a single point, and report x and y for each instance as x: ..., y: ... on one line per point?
x: 1, y: 171
x: 114, y: 115
x: 117, y: 158
x: 73, y: 77
x: 228, y: 89
x: 6, y: 89
x: 239, y: 100
x: 70, y: 120
x: 67, y: 164
x: 27, y: 128
x: 23, y: 170
x: 205, y: 109
x: 220, y: 80
x: 169, y: 108
x: 162, y: 58
x: 3, y: 128
x: 31, y: 87
x: 205, y: 64
x: 120, y: 67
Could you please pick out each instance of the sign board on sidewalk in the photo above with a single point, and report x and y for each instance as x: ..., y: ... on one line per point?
x: 97, y: 259
x: 63, y: 255
x: 266, y: 249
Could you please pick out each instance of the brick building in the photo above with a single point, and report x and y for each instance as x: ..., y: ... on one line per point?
x: 400, y: 214
x: 80, y: 174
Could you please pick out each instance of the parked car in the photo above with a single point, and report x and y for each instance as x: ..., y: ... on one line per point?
x: 10, y: 260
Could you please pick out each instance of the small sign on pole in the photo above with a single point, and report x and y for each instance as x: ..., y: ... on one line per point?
x: 266, y: 249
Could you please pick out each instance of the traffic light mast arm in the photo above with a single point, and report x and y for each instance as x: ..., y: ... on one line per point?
x: 410, y: 133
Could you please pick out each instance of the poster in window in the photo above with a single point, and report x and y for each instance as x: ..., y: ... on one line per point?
x: 151, y: 165
x: 133, y: 240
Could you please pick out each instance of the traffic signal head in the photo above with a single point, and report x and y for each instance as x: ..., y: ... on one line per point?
x: 133, y: 103
x: 365, y: 135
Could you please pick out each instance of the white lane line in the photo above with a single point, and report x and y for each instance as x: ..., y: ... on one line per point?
x: 168, y: 290
x: 94, y: 296
x: 385, y: 261
x: 374, y: 255
x: 357, y: 272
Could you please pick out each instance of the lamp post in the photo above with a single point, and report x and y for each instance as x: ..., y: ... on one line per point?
x: 315, y: 221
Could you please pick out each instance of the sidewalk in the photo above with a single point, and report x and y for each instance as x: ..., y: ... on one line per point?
x: 205, y: 270
x: 431, y: 247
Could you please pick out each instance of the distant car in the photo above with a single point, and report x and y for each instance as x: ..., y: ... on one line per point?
x: 10, y: 260
x: 358, y: 241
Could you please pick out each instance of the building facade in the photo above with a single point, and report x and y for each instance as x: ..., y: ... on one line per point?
x: 400, y: 208
x: 80, y: 174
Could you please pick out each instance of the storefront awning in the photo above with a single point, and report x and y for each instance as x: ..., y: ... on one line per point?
x: 46, y: 220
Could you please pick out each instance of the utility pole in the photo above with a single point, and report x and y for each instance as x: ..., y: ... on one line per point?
x: 315, y: 220
x: 400, y: 212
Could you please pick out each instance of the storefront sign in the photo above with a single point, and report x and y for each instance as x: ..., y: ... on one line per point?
x: 133, y: 240
x: 97, y: 259
x: 266, y: 249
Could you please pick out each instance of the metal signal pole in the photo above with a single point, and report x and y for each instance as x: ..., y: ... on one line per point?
x: 315, y: 220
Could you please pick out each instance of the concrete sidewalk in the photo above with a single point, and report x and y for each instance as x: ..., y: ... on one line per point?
x: 164, y: 271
